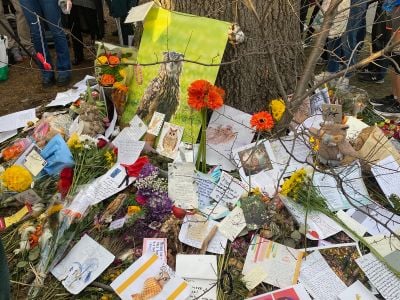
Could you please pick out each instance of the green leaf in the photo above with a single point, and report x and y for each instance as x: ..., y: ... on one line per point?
x: 22, y: 264
x: 34, y: 254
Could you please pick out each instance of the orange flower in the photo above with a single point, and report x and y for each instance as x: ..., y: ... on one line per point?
x: 107, y: 79
x: 262, y: 121
x: 121, y: 87
x: 203, y: 94
x: 113, y: 60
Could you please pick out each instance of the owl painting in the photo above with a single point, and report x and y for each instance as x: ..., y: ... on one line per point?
x: 163, y: 92
x: 170, y: 138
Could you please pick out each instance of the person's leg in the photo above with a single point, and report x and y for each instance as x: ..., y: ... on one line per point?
x: 334, y: 50
x: 22, y: 28
x: 30, y: 9
x: 52, y: 13
x: 304, y: 5
x: 76, y: 34
x: 4, y: 275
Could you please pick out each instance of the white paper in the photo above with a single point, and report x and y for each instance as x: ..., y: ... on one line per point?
x: 82, y: 85
x: 357, y: 291
x: 182, y: 186
x: 378, y: 213
x: 228, y: 129
x: 358, y: 228
x: 352, y: 183
x: 233, y: 224
x: 205, y: 186
x: 111, y: 127
x: 82, y: 265
x: 319, y: 226
x: 139, y: 13
x: 287, y: 160
x: 7, y: 135
x: 387, y: 283
x: 384, y: 244
x: 197, y: 266
x: 387, y: 174
x: 355, y: 127
x: 257, y: 166
x: 67, y: 97
x: 157, y: 246
x: 117, y: 224
x: 320, y: 97
x: 319, y: 279
x: 297, y: 291
x: 254, y: 277
x: 228, y: 190
x: 216, y: 245
x: 17, y: 120
x: 156, y: 123
x: 146, y: 272
x: 170, y: 138
x: 129, y: 151
x: 138, y: 127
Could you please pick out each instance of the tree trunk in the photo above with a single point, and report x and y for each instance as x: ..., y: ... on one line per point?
x: 251, y: 82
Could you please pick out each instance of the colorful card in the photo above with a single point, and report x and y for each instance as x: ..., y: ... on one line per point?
x: 34, y: 162
x: 157, y: 246
x: 170, y: 138
x: 156, y: 123
x: 295, y: 292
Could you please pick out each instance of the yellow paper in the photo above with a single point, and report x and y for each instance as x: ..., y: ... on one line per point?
x: 254, y: 277
x: 16, y: 217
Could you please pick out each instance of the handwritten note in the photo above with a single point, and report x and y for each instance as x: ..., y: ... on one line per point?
x: 387, y: 174
x: 357, y: 291
x: 129, y: 151
x: 127, y: 133
x: 156, y: 123
x: 228, y: 190
x: 34, y: 162
x: 197, y: 228
x: 254, y: 277
x: 386, y: 282
x: 157, y: 246
x: 182, y: 185
x: 233, y: 224
x: 138, y: 126
x: 205, y: 186
x: 117, y: 224
x: 319, y: 279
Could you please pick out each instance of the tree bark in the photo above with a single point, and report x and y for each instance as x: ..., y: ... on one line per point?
x: 251, y: 82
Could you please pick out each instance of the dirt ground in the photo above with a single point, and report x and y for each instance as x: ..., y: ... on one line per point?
x: 23, y: 89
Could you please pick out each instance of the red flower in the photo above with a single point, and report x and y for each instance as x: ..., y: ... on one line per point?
x: 101, y: 143
x: 203, y: 94
x: 65, y: 181
x: 141, y: 199
x: 262, y: 121
x: 134, y: 169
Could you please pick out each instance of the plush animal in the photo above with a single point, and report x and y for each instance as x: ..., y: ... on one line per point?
x: 170, y: 140
x: 163, y: 92
x: 334, y: 149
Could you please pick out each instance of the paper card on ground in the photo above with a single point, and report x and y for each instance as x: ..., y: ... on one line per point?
x: 290, y: 154
x: 357, y: 291
x: 138, y: 126
x: 215, y: 211
x: 111, y: 127
x: 320, y: 97
x: 7, y: 135
x: 187, y: 152
x: 34, y: 162
x: 281, y: 263
x: 83, y: 83
x: 67, y: 97
x: 384, y: 244
x: 129, y: 151
x: 117, y: 224
x: 254, y: 277
x: 255, y: 212
x: 257, y: 163
x: 138, y: 13
x: 182, y: 185
x: 194, y: 225
x: 379, y: 213
x: 319, y: 279
x: 170, y: 138
x: 205, y: 186
x: 200, y: 271
x: 233, y: 224
x: 319, y: 226
x: 352, y: 183
x: 358, y: 228
x: 228, y: 129
x: 228, y: 190
x: 393, y: 259
x: 385, y: 281
x: 295, y: 292
x: 157, y: 246
x: 17, y: 120
x: 156, y: 123
x: 387, y: 174
x: 355, y: 127
x: 82, y: 265
x: 150, y: 278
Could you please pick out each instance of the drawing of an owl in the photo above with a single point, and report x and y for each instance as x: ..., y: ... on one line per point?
x: 163, y: 92
x: 170, y: 140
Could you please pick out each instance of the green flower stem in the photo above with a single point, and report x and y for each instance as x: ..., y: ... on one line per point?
x: 201, y: 162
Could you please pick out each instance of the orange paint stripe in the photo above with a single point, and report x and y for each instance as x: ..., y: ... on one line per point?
x: 136, y: 274
x: 178, y: 290
x: 298, y: 265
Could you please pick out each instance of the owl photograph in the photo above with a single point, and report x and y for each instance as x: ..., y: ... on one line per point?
x: 170, y: 139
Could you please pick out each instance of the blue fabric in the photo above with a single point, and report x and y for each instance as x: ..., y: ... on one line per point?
x: 49, y: 10
x: 57, y: 155
x: 390, y: 4
x: 335, y: 54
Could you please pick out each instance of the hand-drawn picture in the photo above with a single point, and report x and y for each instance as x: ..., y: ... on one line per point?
x: 156, y: 123
x: 153, y: 286
x: 221, y: 134
x: 170, y: 138
x: 255, y: 160
x: 80, y: 274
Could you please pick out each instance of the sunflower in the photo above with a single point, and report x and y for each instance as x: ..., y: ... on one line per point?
x: 262, y: 121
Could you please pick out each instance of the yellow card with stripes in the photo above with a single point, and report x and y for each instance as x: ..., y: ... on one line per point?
x: 150, y: 278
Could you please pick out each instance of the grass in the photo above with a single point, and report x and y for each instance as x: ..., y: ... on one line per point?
x: 200, y: 39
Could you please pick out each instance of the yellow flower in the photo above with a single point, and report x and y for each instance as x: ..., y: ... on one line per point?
x: 278, y: 108
x: 291, y: 186
x: 314, y: 143
x: 122, y: 72
x: 102, y: 60
x: 110, y: 158
x: 133, y: 209
x: 16, y: 178
x: 74, y: 142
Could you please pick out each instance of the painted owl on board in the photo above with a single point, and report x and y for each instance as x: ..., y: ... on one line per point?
x: 163, y: 92
x: 170, y: 140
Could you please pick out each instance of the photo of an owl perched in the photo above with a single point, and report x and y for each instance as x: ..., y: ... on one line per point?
x: 163, y: 92
x: 170, y: 140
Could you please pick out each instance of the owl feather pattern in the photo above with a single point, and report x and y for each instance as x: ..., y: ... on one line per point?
x: 163, y: 92
x: 170, y: 140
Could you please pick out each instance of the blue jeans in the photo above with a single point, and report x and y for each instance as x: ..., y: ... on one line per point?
x: 335, y: 57
x: 49, y: 10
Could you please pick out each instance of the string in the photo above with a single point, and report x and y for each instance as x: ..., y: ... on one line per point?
x: 41, y: 37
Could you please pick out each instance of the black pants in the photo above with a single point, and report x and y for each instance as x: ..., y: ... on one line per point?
x: 4, y: 276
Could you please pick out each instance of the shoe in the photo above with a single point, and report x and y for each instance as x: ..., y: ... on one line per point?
x: 17, y: 55
x: 382, y: 101
x: 370, y: 77
x: 63, y: 81
x: 388, y: 110
x: 48, y: 82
